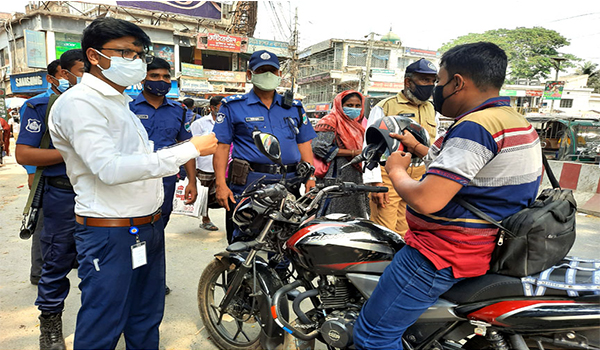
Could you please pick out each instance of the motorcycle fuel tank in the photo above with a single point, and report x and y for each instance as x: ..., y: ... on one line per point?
x: 338, y: 244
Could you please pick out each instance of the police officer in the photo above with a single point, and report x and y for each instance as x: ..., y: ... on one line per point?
x: 58, y: 201
x: 56, y: 84
x: 260, y: 109
x: 388, y: 209
x: 165, y: 122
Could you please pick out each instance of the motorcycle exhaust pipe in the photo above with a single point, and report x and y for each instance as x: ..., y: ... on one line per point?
x: 281, y: 322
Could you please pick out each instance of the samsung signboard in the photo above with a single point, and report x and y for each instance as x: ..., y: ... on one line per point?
x: 28, y: 83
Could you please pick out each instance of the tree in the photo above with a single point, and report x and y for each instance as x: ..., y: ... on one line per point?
x: 529, y: 50
x: 591, y: 69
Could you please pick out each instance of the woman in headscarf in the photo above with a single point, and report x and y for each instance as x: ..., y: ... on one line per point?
x: 339, y: 139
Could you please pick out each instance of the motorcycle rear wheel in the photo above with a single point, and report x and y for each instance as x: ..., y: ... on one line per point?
x: 239, y: 326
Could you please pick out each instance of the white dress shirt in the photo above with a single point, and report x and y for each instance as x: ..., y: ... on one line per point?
x: 110, y: 161
x: 201, y: 127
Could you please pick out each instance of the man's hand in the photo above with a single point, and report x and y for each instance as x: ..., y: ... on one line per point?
x: 381, y: 199
x: 191, y: 191
x: 224, y: 194
x: 408, y: 140
x: 205, y: 144
x: 309, y: 185
x: 398, y: 160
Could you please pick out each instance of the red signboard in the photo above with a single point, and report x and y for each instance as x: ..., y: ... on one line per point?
x: 386, y: 85
x: 221, y: 42
x: 322, y: 107
x: 533, y: 93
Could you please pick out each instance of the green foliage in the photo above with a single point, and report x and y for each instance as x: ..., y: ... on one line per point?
x: 529, y: 50
x: 591, y: 69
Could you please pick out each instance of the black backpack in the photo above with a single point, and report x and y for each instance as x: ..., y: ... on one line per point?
x: 535, y: 238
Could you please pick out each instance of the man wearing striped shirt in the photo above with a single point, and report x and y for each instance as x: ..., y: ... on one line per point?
x: 491, y: 156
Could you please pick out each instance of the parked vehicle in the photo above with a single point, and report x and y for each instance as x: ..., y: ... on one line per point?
x: 569, y: 138
x: 335, y: 263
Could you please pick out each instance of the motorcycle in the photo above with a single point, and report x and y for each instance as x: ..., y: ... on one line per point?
x: 334, y: 264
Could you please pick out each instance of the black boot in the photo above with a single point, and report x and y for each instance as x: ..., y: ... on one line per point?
x: 51, y: 335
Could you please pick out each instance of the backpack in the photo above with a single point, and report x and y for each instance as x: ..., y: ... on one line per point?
x: 537, y: 237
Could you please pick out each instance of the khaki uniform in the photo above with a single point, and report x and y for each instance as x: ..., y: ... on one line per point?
x: 393, y: 216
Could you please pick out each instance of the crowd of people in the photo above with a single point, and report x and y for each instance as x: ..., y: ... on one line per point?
x: 96, y: 149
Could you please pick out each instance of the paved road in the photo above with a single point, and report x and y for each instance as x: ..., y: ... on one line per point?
x: 189, y: 249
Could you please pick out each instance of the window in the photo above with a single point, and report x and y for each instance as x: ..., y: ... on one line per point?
x: 4, y: 57
x: 380, y: 58
x: 403, y: 62
x: 357, y: 56
x: 566, y: 103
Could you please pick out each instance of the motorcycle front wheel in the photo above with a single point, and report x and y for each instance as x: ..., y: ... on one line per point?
x: 238, y: 326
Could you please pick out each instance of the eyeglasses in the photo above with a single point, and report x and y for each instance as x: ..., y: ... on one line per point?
x: 131, y: 55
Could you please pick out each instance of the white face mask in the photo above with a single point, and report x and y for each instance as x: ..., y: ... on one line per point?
x: 266, y: 81
x: 123, y: 72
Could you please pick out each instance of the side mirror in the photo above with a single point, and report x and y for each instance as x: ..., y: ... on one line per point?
x: 268, y: 145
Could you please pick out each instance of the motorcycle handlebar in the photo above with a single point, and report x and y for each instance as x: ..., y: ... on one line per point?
x: 349, y: 186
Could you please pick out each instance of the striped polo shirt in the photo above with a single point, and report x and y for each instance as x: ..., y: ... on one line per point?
x: 495, y: 154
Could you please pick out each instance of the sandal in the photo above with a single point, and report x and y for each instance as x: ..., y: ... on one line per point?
x: 209, y: 226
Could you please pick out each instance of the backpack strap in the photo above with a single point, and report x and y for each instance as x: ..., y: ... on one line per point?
x: 549, y: 172
x: 481, y: 214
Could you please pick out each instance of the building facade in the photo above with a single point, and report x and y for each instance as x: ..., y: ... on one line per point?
x: 329, y: 67
x: 206, y: 49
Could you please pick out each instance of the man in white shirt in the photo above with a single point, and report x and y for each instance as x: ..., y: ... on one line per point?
x: 204, y: 164
x: 117, y: 179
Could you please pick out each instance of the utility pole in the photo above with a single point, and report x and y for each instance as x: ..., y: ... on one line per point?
x: 294, y: 52
x: 365, y: 87
x: 557, y: 62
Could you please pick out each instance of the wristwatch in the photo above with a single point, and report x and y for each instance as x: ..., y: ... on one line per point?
x: 312, y: 178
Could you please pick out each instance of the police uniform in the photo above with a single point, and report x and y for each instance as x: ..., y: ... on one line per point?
x: 240, y: 115
x: 57, y: 242
x: 165, y: 126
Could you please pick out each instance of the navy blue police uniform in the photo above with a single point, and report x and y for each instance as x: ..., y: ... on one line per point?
x: 240, y: 115
x: 58, y: 203
x: 166, y: 126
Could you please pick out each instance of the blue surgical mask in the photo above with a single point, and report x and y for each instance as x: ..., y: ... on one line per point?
x: 63, y: 85
x: 352, y: 113
x: 157, y: 87
x: 76, y: 77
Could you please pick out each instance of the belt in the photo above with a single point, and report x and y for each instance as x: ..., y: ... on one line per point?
x: 272, y: 168
x: 118, y: 222
x: 59, y: 182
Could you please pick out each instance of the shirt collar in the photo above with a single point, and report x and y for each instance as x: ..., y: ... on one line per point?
x: 499, y: 101
x: 102, y: 87
x: 252, y: 98
x: 401, y: 98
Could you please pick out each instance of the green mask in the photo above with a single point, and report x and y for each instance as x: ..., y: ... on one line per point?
x: 266, y: 81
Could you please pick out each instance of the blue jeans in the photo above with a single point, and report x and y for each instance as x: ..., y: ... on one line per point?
x: 115, y: 298
x: 408, y: 286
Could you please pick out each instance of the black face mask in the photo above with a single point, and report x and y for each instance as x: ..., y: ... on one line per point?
x: 422, y: 92
x: 438, y: 96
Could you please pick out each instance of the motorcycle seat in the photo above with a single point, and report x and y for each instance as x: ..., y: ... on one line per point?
x: 553, y: 282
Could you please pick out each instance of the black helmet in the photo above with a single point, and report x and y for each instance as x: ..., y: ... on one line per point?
x: 382, y: 127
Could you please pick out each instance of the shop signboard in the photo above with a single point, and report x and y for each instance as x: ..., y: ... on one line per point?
x: 221, y: 42
x: 192, y: 70
x: 279, y: 48
x: 225, y: 75
x: 322, y: 107
x: 203, y: 9
x: 65, y: 42
x: 386, y: 85
x: 195, y: 85
x: 167, y: 53
x: 383, y: 71
x: 533, y: 93
x: 2, y: 103
x: 508, y: 92
x: 28, y: 82
x: 35, y: 47
x: 411, y: 51
x: 313, y: 78
x: 553, y: 90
